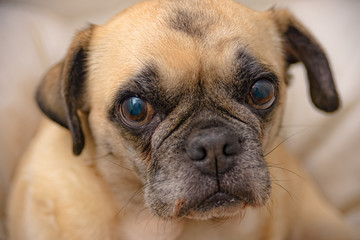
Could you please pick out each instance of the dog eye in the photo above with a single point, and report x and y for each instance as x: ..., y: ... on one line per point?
x: 262, y: 94
x: 136, y: 112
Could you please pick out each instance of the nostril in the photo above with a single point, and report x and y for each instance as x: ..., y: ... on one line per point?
x: 228, y: 150
x: 196, y: 153
x: 231, y: 148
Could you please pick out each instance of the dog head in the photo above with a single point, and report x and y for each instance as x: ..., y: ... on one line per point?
x: 189, y: 95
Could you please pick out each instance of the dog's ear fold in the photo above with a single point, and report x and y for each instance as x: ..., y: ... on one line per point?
x: 300, y: 45
x: 61, y: 91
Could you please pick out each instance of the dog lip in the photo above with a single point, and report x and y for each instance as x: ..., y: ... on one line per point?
x: 218, y: 199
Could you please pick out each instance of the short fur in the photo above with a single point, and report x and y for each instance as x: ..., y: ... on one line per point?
x: 195, y: 63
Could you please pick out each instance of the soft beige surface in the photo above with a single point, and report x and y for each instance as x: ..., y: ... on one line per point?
x: 330, y: 144
x: 30, y: 40
x: 35, y: 34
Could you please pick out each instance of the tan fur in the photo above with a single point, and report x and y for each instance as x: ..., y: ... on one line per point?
x: 96, y: 195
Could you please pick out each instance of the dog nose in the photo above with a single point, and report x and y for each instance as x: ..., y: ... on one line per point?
x: 212, y: 150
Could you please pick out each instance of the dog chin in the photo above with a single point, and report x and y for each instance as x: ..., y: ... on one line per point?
x: 218, y: 213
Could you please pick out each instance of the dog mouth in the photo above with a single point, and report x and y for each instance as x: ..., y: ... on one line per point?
x: 218, y: 199
x: 218, y: 203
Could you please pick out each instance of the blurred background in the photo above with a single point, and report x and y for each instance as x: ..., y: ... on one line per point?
x: 35, y: 34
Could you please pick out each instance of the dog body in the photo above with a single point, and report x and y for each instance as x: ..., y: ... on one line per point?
x: 178, y: 102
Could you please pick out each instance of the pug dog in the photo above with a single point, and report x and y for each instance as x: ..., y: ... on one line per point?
x: 163, y: 124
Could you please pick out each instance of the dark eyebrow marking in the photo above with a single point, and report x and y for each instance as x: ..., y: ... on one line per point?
x: 248, y: 66
x: 248, y: 69
x: 146, y: 82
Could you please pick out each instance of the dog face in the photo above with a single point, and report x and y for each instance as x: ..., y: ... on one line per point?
x: 188, y: 95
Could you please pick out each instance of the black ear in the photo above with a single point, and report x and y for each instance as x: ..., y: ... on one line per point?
x: 61, y: 92
x: 300, y: 45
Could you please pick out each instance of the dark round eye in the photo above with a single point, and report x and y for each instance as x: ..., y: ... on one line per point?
x: 136, y: 112
x: 262, y: 94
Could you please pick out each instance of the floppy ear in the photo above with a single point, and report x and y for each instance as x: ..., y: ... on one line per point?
x: 300, y: 45
x: 61, y: 91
